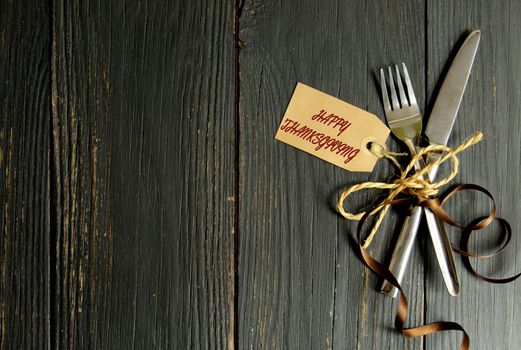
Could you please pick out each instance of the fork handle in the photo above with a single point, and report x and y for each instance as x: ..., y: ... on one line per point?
x: 402, y: 250
x: 441, y: 243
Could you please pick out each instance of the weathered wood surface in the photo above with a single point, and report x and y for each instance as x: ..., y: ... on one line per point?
x: 25, y: 133
x: 490, y: 313
x: 144, y: 154
x: 147, y: 205
x: 301, y: 285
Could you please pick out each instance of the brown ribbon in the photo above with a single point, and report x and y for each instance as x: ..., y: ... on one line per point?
x: 435, y: 205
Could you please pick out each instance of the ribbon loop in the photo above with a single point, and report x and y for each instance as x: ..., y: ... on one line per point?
x: 423, y: 193
x: 409, y: 182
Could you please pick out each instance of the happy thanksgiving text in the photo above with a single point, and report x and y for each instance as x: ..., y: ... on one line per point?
x: 322, y: 141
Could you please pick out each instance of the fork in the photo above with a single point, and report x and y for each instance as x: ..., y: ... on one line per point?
x: 405, y: 120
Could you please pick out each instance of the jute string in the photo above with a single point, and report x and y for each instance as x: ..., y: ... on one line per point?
x: 409, y: 182
x: 420, y: 192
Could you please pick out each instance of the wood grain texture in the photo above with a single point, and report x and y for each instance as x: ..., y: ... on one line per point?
x: 301, y: 284
x: 146, y: 204
x: 143, y: 106
x: 491, y: 104
x: 24, y: 175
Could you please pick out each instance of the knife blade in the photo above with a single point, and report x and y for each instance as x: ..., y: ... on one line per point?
x: 438, y: 130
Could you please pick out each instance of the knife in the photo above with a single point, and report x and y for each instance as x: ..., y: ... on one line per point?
x: 438, y: 130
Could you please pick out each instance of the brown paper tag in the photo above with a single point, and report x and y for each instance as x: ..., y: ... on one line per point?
x: 331, y: 129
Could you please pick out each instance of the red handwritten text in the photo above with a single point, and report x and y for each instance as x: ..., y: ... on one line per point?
x: 332, y: 120
x: 319, y: 139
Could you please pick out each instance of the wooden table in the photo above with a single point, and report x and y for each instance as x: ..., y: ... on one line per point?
x: 146, y: 205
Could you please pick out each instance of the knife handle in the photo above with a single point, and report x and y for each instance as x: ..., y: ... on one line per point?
x: 443, y: 250
x: 402, y: 251
x: 440, y: 240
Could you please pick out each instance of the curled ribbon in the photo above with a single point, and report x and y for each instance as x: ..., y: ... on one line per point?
x: 413, y: 184
x: 422, y: 192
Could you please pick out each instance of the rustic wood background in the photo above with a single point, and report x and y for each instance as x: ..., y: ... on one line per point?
x: 146, y: 205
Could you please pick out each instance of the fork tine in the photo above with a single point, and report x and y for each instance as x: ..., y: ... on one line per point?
x: 403, y: 97
x: 410, y: 91
x: 392, y: 87
x: 385, y: 96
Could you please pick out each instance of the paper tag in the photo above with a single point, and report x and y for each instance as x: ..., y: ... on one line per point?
x: 331, y: 129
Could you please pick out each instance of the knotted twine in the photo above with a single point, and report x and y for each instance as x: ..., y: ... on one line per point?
x: 424, y: 193
x: 413, y: 184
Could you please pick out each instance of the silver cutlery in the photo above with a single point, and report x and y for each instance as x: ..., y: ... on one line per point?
x: 405, y: 120
x: 438, y: 130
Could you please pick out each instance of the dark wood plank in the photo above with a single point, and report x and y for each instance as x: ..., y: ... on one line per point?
x: 24, y: 175
x: 144, y: 153
x: 491, y: 104
x: 395, y: 34
x: 301, y: 284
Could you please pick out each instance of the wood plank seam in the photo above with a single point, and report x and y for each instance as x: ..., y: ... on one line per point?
x: 237, y: 11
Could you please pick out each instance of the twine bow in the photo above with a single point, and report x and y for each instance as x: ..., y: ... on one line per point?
x: 412, y: 184
x: 422, y: 192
